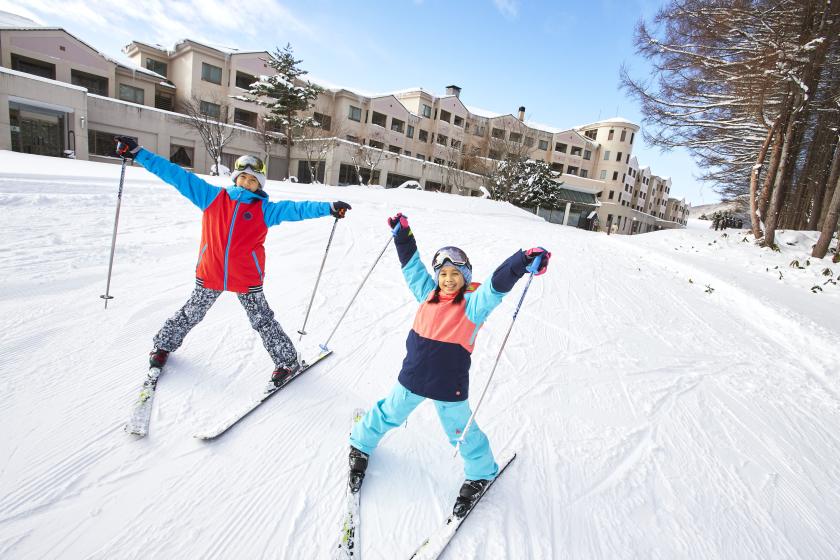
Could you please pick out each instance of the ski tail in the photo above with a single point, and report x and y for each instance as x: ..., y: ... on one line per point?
x: 348, y: 539
x: 141, y: 412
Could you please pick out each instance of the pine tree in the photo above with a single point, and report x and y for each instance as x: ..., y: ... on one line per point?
x: 525, y: 182
x: 286, y: 95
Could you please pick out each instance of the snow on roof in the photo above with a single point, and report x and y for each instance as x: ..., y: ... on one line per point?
x: 543, y: 127
x: 482, y: 112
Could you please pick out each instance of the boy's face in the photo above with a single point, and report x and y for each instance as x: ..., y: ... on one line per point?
x: 450, y: 280
x: 248, y: 182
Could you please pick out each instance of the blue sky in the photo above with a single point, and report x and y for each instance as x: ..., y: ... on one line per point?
x: 559, y: 59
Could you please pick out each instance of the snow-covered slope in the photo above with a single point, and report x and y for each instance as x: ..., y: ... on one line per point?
x: 670, y: 395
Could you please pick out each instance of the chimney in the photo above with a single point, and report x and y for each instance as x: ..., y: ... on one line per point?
x: 522, y: 113
x: 453, y: 90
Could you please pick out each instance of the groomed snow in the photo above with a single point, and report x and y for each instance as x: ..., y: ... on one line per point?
x: 669, y: 395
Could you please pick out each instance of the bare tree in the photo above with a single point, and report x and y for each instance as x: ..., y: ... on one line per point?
x: 317, y: 141
x: 268, y: 138
x: 369, y: 158
x: 210, y: 120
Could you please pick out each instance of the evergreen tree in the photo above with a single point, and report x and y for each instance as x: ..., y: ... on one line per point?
x: 286, y: 95
x: 525, y: 182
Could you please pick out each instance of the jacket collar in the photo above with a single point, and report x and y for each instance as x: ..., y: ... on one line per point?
x: 244, y: 195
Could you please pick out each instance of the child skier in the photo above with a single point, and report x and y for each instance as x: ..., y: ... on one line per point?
x: 437, y: 363
x: 234, y: 225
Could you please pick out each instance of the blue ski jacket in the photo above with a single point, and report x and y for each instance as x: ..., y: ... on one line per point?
x: 442, y: 338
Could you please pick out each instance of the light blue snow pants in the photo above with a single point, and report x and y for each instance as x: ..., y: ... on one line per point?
x: 393, y: 410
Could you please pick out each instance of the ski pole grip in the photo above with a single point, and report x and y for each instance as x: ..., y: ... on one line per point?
x: 534, y: 267
x: 396, y: 229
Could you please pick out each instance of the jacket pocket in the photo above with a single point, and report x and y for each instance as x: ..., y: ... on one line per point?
x: 200, y: 256
x: 257, y: 264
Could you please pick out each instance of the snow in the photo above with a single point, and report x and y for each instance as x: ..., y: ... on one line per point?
x: 669, y: 395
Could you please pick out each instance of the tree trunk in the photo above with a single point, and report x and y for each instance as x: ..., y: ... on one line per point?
x: 779, y: 188
x: 770, y: 178
x: 829, y: 226
x: 754, y: 220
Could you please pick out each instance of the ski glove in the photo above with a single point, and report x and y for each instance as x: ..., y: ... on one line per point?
x: 400, y: 219
x: 534, y: 252
x: 126, y: 146
x: 338, y: 208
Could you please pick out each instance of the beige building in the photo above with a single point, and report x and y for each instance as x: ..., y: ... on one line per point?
x: 59, y: 96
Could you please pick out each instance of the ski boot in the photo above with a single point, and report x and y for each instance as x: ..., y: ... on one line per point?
x: 470, y: 492
x: 282, y: 374
x: 358, y: 465
x: 158, y: 357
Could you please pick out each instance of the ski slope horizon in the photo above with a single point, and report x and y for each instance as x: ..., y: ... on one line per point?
x: 669, y: 395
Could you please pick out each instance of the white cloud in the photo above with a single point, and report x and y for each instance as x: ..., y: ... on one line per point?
x: 508, y: 8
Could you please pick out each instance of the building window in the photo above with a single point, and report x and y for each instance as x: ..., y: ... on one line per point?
x: 439, y: 161
x: 93, y: 83
x: 351, y: 138
x: 576, y: 150
x: 515, y: 137
x: 584, y: 173
x: 322, y: 121
x: 603, y: 174
x: 455, y: 143
x: 441, y: 139
x: 445, y: 115
x: 355, y: 114
x: 610, y: 135
x: 571, y: 170
x: 632, y: 135
x: 132, y: 94
x: 592, y: 134
x: 407, y: 153
x: 529, y: 141
x: 498, y: 133
x: 587, y: 154
x: 102, y: 143
x: 378, y: 119
x: 375, y: 144
x: 612, y: 193
x: 156, y: 66
x: 459, y: 121
x: 212, y: 110
x: 607, y: 155
x: 426, y: 111
x: 246, y: 118
x: 495, y: 154
x: 615, y: 176
x: 397, y: 125
x: 164, y: 100
x: 32, y: 66
x: 478, y: 131
x: 628, y: 159
x: 244, y: 80
x: 618, y: 156
x: 543, y: 145
x: 210, y: 73
x: 423, y: 135
x: 394, y: 149
x: 421, y: 157
x: 409, y: 131
x: 181, y: 155
x: 558, y: 167
x: 560, y: 147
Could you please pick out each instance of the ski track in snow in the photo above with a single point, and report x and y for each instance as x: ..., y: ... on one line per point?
x: 651, y: 419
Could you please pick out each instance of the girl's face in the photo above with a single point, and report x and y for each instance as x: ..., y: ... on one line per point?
x: 248, y: 182
x: 450, y: 280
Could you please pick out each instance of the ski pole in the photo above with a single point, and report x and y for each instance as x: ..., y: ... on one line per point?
x: 533, y: 268
x: 302, y: 330
x: 325, y: 346
x: 107, y: 295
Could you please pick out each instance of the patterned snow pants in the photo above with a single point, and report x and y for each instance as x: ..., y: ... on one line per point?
x: 275, y: 340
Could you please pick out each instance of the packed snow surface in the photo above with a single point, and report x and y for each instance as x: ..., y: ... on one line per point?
x: 669, y: 395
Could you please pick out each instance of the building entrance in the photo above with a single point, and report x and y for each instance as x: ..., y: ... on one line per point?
x: 37, y: 131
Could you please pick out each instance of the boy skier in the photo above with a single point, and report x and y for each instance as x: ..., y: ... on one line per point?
x: 437, y: 362
x: 231, y: 258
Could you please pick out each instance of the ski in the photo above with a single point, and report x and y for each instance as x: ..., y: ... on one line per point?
x: 141, y: 414
x: 270, y: 391
x: 433, y: 546
x: 348, y: 540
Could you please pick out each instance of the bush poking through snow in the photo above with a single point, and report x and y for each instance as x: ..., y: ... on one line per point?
x: 816, y: 289
x: 795, y: 264
x: 827, y: 272
x: 709, y: 289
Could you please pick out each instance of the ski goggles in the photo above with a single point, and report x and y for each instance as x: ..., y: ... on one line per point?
x: 453, y: 255
x: 249, y: 162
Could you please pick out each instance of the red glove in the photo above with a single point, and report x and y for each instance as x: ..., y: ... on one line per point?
x: 399, y: 219
x: 532, y: 254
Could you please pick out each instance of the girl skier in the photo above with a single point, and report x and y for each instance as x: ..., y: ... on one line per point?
x: 234, y: 225
x: 437, y: 362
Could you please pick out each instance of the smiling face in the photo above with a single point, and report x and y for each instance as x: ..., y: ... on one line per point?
x: 450, y: 280
x: 247, y: 181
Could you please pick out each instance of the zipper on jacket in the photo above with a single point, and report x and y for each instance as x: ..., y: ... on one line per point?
x: 230, y: 237
x: 257, y: 263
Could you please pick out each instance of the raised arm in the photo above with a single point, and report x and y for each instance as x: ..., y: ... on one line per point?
x: 200, y: 192
x: 288, y: 211
x: 490, y: 294
x: 419, y: 281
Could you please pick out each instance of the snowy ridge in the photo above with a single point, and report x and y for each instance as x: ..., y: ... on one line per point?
x: 670, y: 395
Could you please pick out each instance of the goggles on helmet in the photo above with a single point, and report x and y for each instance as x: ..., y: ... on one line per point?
x: 254, y: 163
x: 453, y: 255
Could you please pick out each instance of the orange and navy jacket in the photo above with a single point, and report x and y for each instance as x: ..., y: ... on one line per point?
x: 442, y: 338
x: 234, y: 224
